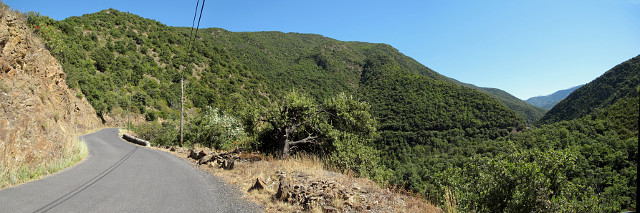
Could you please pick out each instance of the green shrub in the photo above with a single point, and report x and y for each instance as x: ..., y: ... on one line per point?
x: 218, y: 130
x: 524, y: 181
x: 151, y: 115
x: 165, y: 134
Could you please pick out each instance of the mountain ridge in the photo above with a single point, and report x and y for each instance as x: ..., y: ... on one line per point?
x: 319, y: 49
x: 548, y: 101
x: 619, y: 82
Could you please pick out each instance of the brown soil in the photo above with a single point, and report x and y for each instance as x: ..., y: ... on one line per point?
x: 39, y: 114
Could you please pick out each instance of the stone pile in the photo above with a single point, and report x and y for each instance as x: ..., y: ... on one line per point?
x: 224, y: 160
x: 329, y: 195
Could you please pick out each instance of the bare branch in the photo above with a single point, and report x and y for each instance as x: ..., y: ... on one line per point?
x: 308, y: 139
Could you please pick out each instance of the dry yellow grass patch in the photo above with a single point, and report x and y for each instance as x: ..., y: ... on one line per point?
x: 244, y: 175
x: 366, y: 192
x: 21, y: 164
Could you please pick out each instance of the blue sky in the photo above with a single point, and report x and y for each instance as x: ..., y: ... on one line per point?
x: 526, y: 48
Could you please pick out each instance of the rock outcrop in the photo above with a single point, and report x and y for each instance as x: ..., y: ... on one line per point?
x: 39, y: 114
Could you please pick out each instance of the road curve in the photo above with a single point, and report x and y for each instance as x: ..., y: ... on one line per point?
x: 118, y: 176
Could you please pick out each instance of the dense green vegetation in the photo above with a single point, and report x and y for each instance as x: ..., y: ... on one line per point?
x: 528, y: 111
x: 548, y: 101
x: 582, y: 165
x: 113, y: 57
x: 367, y: 107
x: 619, y: 82
x: 587, y: 164
x: 130, y: 52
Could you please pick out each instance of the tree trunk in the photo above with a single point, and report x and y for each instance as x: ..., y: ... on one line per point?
x: 284, y: 144
x: 284, y: 149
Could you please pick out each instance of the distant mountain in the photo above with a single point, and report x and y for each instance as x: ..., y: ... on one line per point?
x: 528, y: 111
x: 619, y: 82
x: 548, y: 101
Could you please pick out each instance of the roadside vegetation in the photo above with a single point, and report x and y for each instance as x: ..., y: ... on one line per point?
x: 16, y: 170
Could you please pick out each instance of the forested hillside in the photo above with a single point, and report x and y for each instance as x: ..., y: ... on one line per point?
x: 135, y: 50
x: 548, y: 101
x: 528, y: 111
x: 367, y: 107
x: 619, y: 82
x: 582, y: 165
x: 586, y: 162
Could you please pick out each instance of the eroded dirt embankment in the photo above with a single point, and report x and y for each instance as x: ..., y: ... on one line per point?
x: 39, y: 114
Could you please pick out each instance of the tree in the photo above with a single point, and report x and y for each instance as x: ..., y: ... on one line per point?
x: 300, y: 121
x: 295, y: 122
x: 104, y: 59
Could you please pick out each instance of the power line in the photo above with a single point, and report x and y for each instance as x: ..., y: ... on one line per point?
x: 195, y: 13
x: 192, y: 37
x: 194, y: 17
x: 190, y: 49
x: 198, y: 27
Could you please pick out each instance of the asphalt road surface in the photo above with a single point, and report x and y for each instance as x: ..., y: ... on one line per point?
x: 118, y: 176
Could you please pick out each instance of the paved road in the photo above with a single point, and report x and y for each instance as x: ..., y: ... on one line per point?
x: 118, y: 176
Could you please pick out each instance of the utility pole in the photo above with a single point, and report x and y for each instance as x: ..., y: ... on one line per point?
x: 129, y: 114
x: 129, y: 110
x: 181, y: 107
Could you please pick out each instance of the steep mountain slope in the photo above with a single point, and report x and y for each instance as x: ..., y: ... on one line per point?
x: 587, y: 164
x: 548, y: 101
x: 39, y: 114
x: 331, y: 57
x: 619, y: 82
x: 407, y: 102
x: 583, y: 164
x: 241, y: 63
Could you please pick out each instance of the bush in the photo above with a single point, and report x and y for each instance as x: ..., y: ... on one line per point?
x: 151, y: 116
x: 350, y: 154
x: 524, y: 181
x: 165, y: 134
x: 218, y: 130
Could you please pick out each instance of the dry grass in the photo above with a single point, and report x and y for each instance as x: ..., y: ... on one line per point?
x: 21, y: 165
x: 37, y: 129
x: 22, y: 161
x: 4, y: 87
x: 450, y: 201
x: 244, y: 175
x: 3, y: 9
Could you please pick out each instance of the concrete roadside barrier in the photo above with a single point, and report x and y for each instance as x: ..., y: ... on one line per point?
x: 135, y: 140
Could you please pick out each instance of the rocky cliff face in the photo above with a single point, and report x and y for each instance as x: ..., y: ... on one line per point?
x: 39, y: 114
